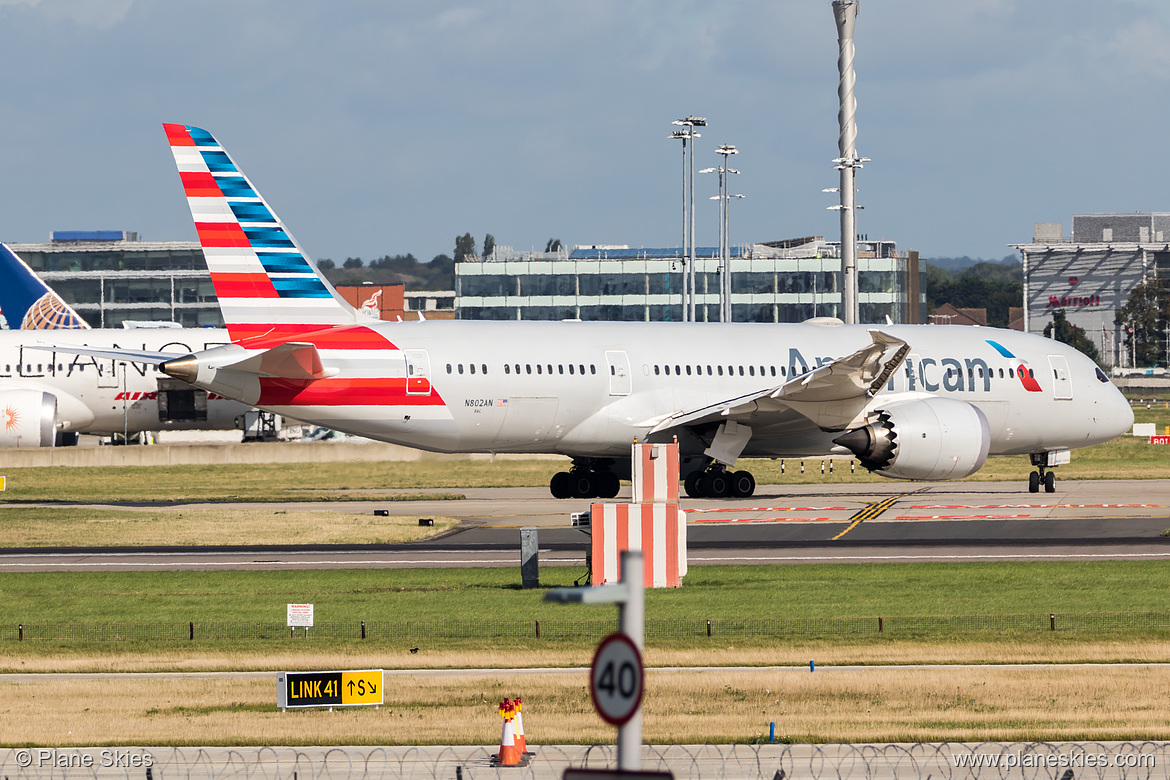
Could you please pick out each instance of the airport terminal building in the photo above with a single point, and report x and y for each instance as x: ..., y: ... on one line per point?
x: 109, y: 277
x: 1091, y: 273
x: 782, y: 281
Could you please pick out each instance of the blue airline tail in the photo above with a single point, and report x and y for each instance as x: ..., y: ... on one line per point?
x: 30, y: 304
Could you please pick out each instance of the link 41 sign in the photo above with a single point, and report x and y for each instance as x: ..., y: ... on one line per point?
x: 329, y: 689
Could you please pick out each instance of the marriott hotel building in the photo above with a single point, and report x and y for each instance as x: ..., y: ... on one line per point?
x: 1091, y: 273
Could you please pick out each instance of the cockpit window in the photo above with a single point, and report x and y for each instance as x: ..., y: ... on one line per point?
x: 1101, y: 376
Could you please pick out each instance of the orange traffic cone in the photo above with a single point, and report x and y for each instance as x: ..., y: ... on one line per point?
x: 520, y: 726
x: 510, y: 754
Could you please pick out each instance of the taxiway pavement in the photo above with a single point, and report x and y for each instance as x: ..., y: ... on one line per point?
x: 1082, y: 520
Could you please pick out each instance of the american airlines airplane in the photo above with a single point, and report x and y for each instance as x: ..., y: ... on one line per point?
x: 49, y: 398
x: 910, y: 401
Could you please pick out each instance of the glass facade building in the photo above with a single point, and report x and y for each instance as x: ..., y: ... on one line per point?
x: 111, y: 281
x: 787, y: 281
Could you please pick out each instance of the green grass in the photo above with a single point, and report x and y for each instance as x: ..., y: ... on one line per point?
x: 1127, y: 457
x: 270, y: 481
x: 723, y: 593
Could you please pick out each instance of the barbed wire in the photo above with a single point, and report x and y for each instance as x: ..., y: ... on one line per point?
x: 921, y: 761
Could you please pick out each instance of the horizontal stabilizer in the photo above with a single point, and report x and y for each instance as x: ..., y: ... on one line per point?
x: 287, y: 361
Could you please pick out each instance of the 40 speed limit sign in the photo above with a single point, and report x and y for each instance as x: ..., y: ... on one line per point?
x: 615, y: 680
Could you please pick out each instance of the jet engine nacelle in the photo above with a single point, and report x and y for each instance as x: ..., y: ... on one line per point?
x: 28, y: 418
x: 931, y: 438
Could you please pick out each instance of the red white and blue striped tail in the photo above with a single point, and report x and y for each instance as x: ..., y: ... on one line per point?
x: 269, y: 290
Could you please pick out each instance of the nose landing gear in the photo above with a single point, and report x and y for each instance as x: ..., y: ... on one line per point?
x: 1043, y: 475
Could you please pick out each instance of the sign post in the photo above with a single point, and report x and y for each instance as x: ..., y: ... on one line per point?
x: 616, y: 678
x: 300, y: 615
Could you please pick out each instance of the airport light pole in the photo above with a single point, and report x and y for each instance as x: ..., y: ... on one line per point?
x: 684, y: 136
x: 724, y: 236
x: 690, y: 123
x: 727, y: 239
x: 847, y: 161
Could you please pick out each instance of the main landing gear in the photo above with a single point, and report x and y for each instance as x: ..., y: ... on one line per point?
x: 718, y: 482
x: 1043, y: 475
x: 584, y: 481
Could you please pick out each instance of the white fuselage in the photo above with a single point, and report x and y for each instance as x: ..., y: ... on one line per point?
x: 101, y: 396
x: 591, y: 388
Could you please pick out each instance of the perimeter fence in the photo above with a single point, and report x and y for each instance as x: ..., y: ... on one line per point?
x: 657, y: 629
x: 921, y: 761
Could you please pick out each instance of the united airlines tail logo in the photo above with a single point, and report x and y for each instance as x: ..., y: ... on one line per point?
x: 49, y: 312
x: 1026, y: 377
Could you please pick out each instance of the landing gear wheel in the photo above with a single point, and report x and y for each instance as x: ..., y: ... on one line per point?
x: 1050, y: 482
x: 1034, y: 482
x: 743, y: 484
x: 608, y: 484
x: 716, y: 484
x: 693, y: 484
x: 583, y: 483
x: 561, y: 485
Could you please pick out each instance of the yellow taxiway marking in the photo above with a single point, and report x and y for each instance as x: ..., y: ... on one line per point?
x: 874, y: 510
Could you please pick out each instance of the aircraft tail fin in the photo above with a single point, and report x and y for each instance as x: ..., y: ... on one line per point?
x: 269, y: 289
x: 30, y: 304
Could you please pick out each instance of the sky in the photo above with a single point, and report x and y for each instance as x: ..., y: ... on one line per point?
x: 378, y: 127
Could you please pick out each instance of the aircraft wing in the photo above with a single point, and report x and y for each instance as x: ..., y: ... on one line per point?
x: 831, y: 396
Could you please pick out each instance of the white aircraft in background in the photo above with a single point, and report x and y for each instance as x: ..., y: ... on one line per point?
x: 49, y: 398
x: 910, y: 401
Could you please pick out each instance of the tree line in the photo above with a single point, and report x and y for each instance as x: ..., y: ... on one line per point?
x: 438, y: 274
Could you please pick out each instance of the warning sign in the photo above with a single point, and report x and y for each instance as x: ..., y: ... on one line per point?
x: 300, y: 615
x: 329, y: 689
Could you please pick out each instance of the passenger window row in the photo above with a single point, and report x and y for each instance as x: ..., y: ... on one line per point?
x: 527, y: 368
x: 973, y: 372
x: 698, y: 370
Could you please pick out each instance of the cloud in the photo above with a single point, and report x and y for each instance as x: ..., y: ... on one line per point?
x: 99, y: 14
x: 458, y: 18
x: 1141, y: 47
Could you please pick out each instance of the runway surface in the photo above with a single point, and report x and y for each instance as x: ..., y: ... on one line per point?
x: 961, y: 521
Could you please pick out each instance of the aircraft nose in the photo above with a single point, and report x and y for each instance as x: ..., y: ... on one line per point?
x: 1118, y: 414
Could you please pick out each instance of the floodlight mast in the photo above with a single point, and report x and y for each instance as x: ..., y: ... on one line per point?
x: 684, y: 136
x: 690, y: 123
x: 724, y: 197
x: 845, y: 13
